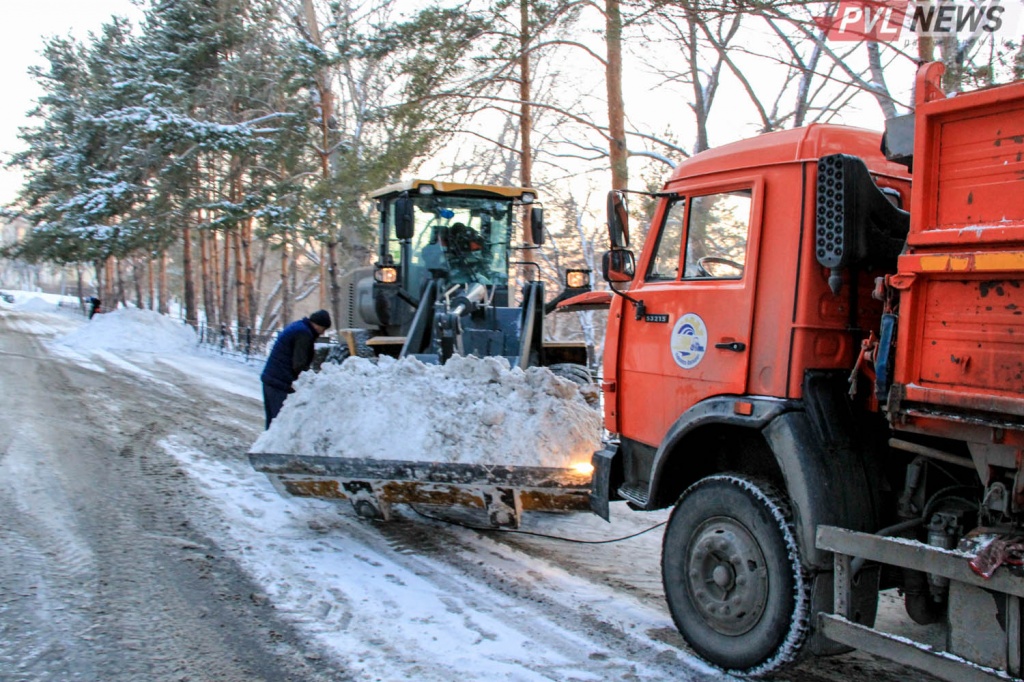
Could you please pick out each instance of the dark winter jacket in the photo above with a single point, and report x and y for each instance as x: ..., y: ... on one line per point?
x: 291, y: 355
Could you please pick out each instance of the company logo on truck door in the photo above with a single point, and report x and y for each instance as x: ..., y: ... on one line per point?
x: 689, y: 340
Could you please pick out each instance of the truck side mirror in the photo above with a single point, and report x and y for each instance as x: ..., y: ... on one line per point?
x: 618, y: 265
x: 403, y: 218
x: 618, y: 219
x: 537, y: 225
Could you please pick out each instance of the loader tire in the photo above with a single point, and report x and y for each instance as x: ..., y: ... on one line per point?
x: 733, y: 577
x: 339, y: 353
x: 573, y: 372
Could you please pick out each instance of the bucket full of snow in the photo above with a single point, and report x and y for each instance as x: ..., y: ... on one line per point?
x: 471, y: 432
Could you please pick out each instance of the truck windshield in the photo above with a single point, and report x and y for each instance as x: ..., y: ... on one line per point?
x: 464, y: 239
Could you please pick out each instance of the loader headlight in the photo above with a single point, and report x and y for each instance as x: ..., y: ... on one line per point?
x: 386, y: 275
x: 577, y: 279
x: 585, y: 468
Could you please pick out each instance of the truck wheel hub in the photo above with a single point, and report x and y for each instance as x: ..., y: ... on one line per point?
x: 727, y: 576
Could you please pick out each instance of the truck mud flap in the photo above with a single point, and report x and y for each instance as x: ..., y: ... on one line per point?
x: 373, y: 486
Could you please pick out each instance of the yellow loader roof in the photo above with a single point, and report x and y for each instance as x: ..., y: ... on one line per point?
x: 439, y: 187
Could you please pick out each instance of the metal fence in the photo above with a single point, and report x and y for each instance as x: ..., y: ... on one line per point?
x: 238, y: 341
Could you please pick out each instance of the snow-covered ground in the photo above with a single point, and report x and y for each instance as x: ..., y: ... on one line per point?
x: 419, y: 598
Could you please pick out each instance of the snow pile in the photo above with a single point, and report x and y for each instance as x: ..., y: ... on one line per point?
x: 36, y: 304
x: 132, y: 329
x: 468, y: 410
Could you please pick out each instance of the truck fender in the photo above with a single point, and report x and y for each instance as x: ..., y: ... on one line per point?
x: 825, y: 487
x: 716, y: 410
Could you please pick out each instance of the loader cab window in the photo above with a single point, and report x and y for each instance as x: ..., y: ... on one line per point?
x: 718, y: 226
x: 463, y: 238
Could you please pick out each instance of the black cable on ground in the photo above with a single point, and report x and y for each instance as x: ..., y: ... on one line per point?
x: 453, y: 522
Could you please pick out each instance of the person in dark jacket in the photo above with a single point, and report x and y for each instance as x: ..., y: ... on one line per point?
x: 291, y: 355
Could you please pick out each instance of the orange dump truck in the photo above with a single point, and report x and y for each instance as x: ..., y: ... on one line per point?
x: 817, y: 359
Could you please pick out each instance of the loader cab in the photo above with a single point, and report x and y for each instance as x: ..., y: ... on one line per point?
x: 458, y: 234
x: 435, y: 240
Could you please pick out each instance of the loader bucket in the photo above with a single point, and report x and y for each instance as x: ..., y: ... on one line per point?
x: 373, y: 485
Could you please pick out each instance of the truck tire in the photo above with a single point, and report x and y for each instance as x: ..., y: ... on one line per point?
x: 573, y: 372
x: 732, y: 575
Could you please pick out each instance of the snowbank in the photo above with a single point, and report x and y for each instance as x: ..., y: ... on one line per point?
x: 35, y: 301
x: 36, y: 304
x: 468, y: 410
x: 132, y: 329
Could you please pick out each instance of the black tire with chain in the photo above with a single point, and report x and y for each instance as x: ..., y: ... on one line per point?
x: 733, y: 577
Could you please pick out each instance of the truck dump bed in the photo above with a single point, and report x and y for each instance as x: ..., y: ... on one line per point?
x: 961, y: 336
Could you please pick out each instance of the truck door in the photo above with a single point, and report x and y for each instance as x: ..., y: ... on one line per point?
x: 697, y: 288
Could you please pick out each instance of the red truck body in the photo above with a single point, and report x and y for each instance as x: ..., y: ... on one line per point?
x: 817, y: 359
x: 960, y: 349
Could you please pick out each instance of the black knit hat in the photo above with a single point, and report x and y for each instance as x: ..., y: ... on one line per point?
x: 321, y: 318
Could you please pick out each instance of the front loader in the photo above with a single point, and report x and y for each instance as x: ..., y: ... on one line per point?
x: 441, y: 287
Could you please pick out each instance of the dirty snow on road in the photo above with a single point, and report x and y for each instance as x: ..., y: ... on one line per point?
x: 426, y: 597
x: 415, y: 599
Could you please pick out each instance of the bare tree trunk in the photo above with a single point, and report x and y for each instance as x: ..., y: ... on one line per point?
x: 879, y: 89
x: 215, y: 303
x: 248, y: 288
x: 137, y: 279
x: 328, y: 261
x: 150, y: 283
x: 332, y: 270
x: 109, y: 284
x: 616, y: 108
x: 324, y: 257
x: 259, y: 267
x: 236, y: 243
x: 225, y: 292
x: 286, y: 280
x: 204, y: 273
x: 122, y: 294
x: 191, y: 316
x: 81, y: 286
x: 525, y: 129
x: 526, y: 114
x: 164, y: 307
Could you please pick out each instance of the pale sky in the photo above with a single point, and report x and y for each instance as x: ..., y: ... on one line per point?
x: 22, y: 31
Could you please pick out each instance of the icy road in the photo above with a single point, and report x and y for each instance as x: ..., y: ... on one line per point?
x: 136, y: 543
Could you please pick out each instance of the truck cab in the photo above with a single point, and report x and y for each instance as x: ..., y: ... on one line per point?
x: 726, y: 372
x: 819, y: 370
x: 728, y: 306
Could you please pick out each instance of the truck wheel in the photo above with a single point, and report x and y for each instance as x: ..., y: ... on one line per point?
x: 732, y: 575
x: 573, y: 372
